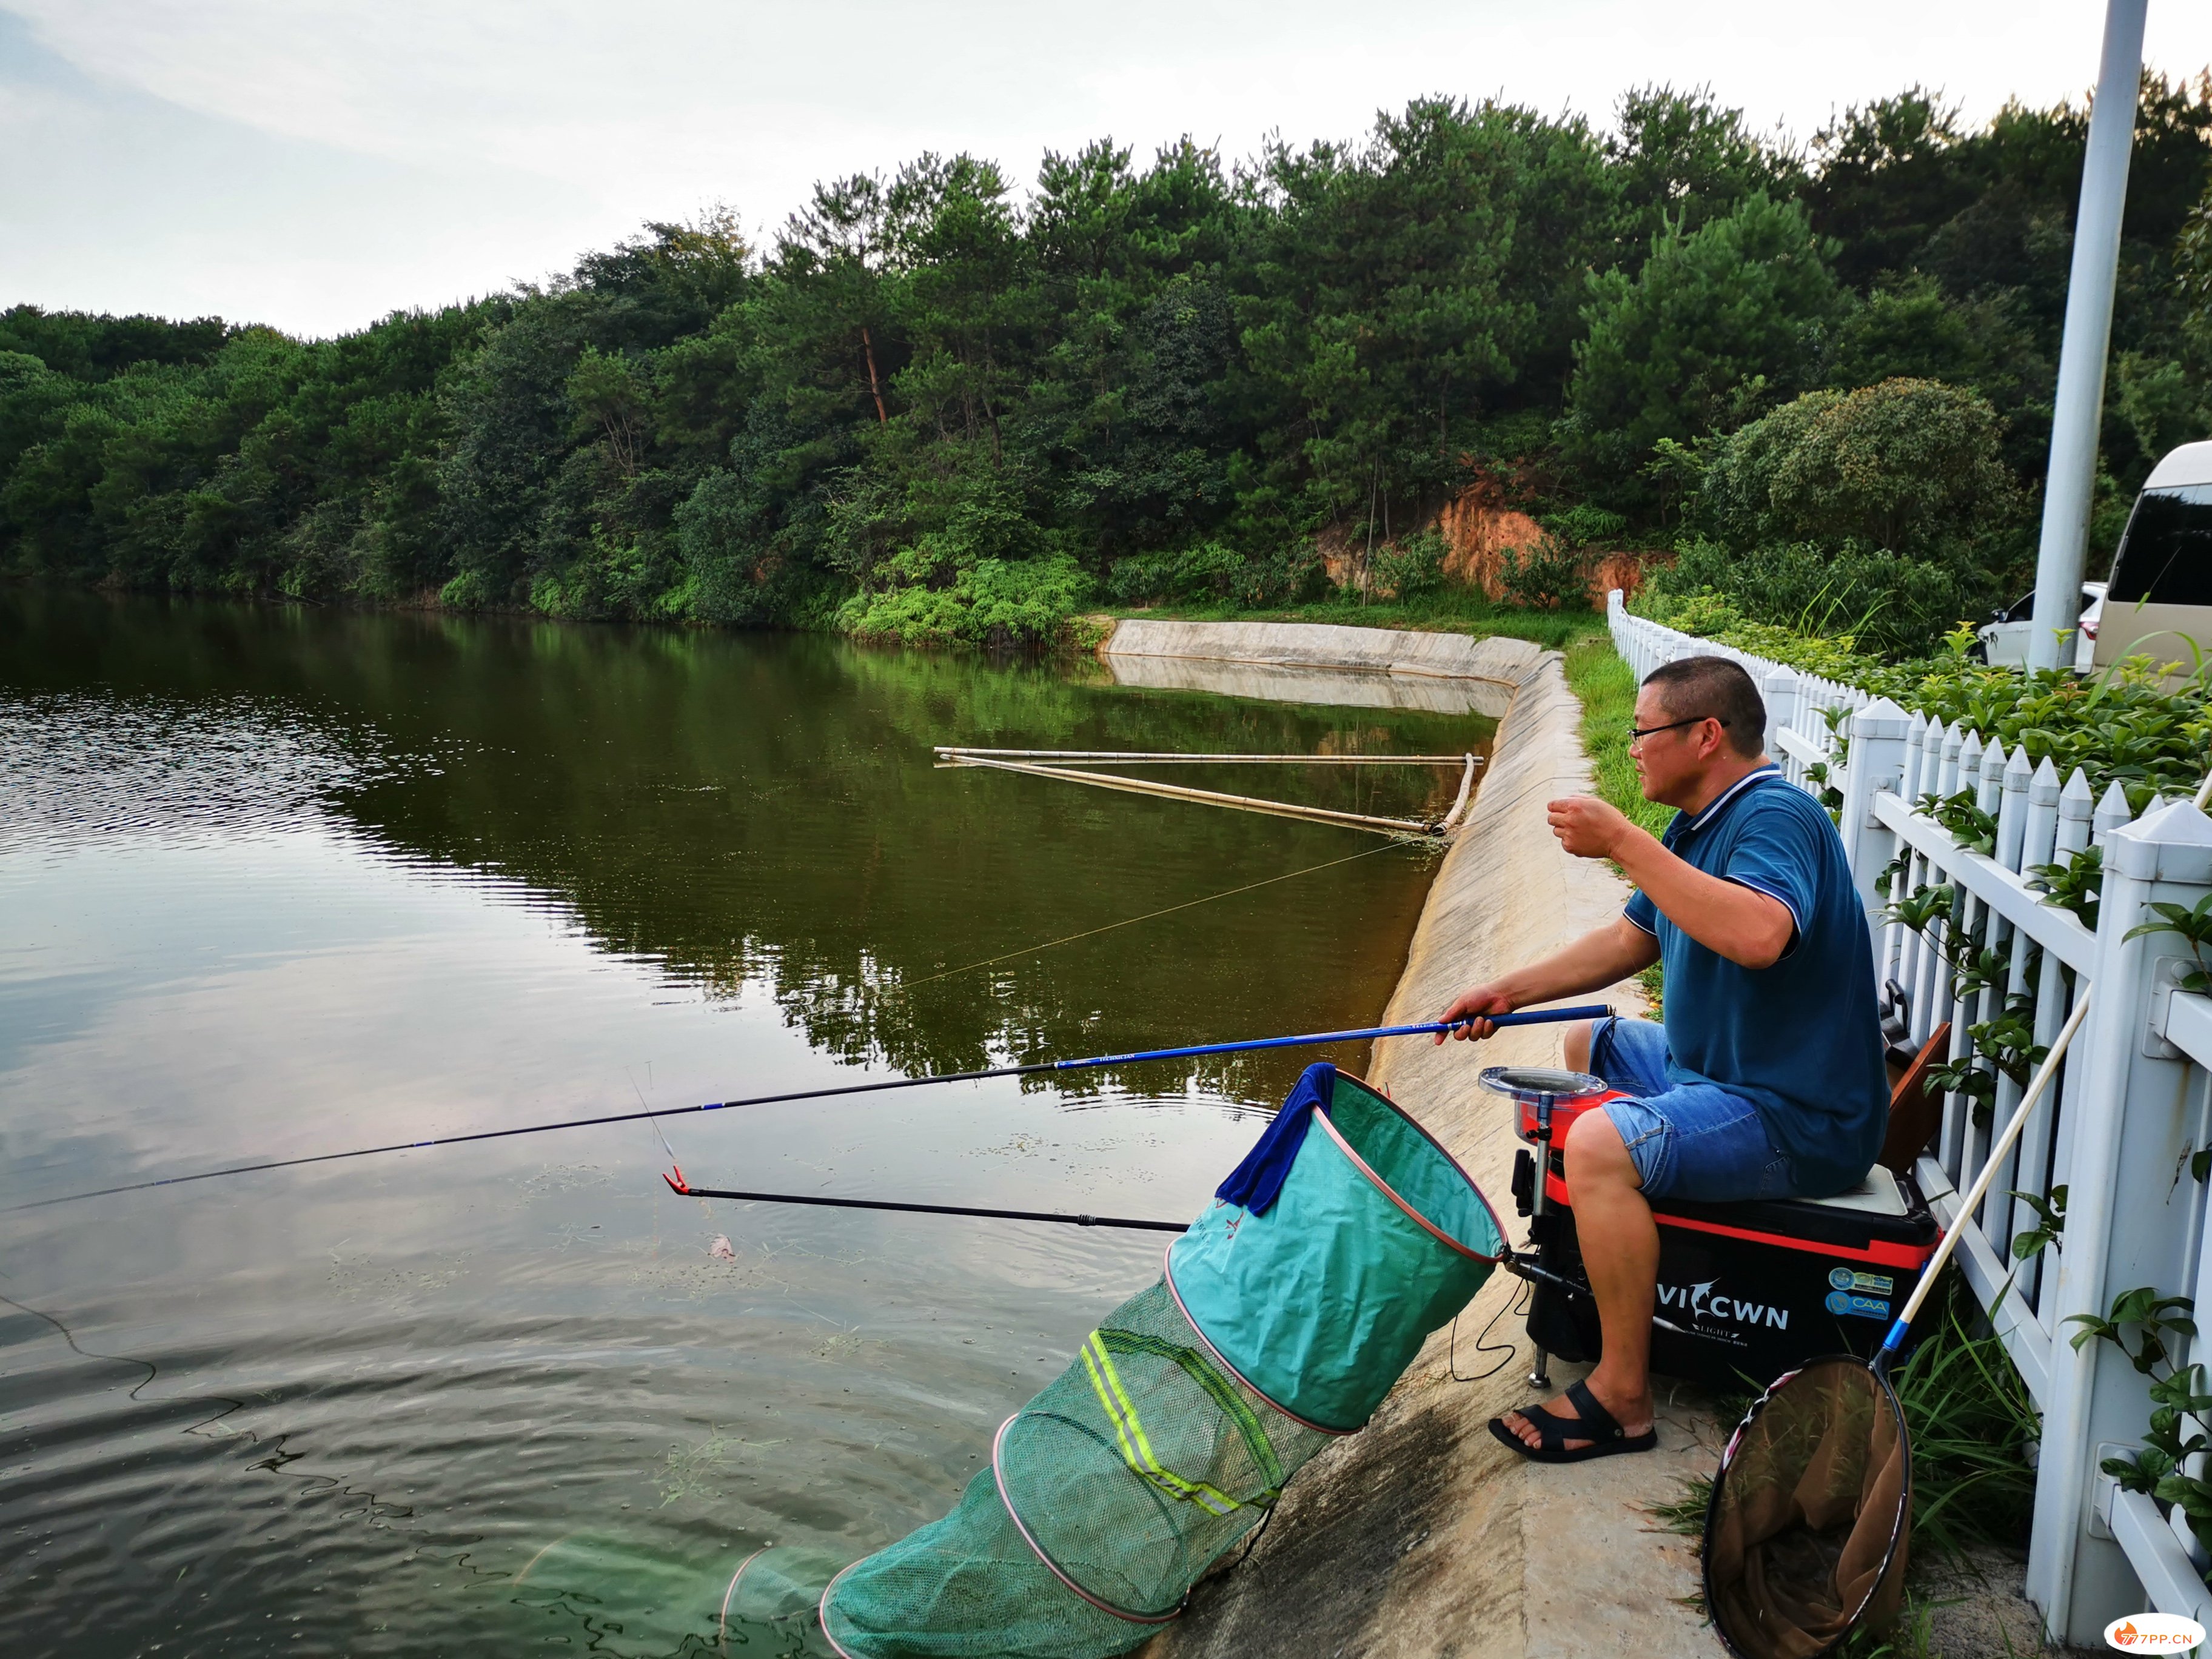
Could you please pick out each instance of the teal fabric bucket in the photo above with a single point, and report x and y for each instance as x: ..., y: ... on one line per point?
x: 1376, y: 1237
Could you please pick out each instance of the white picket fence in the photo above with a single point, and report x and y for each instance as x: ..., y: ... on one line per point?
x: 2134, y: 1103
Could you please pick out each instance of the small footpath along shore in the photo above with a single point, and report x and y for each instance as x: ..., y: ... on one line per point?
x: 1420, y: 1535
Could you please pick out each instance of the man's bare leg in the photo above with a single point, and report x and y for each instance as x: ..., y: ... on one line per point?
x: 1620, y: 1252
x: 1578, y: 1045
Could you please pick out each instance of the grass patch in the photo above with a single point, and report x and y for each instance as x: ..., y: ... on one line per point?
x: 1973, y: 1420
x: 1907, y: 1640
x: 1606, y: 686
x: 1686, y: 1516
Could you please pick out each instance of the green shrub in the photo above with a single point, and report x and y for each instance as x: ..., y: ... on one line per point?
x: 1295, y: 576
x: 1886, y: 513
x: 1584, y: 525
x: 1544, y: 577
x: 1206, y: 571
x: 1211, y: 572
x: 2120, y: 726
x: 571, y: 595
x: 1906, y: 466
x: 724, y: 534
x: 1412, y: 566
x: 1891, y: 606
x: 995, y: 602
x: 1711, y: 616
x: 467, y: 591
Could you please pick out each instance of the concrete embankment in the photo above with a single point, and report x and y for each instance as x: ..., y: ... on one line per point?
x: 1420, y: 1535
x: 1371, y: 667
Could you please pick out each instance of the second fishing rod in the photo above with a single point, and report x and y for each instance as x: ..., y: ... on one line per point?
x: 1033, y: 1068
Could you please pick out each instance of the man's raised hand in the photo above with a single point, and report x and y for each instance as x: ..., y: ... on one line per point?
x: 1587, y: 827
x: 1471, y: 1006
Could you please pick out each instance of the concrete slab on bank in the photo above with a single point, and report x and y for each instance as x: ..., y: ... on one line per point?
x: 1509, y: 664
x: 1223, y: 676
x: 1421, y: 1536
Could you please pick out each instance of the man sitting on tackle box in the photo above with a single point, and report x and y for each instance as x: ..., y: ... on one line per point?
x: 1766, y: 1081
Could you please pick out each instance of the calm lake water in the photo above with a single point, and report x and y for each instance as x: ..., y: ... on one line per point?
x: 274, y: 882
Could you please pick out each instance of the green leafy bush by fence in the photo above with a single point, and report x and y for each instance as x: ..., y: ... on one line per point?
x: 2123, y: 725
x: 1712, y: 615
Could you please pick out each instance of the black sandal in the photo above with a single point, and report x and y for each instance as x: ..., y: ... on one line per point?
x: 1596, y: 1425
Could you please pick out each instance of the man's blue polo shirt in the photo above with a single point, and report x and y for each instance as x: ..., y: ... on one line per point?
x: 1802, y: 1040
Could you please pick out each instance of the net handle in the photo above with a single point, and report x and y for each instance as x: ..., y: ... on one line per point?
x: 1998, y: 1148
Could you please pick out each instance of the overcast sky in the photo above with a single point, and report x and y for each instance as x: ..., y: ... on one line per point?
x: 317, y: 163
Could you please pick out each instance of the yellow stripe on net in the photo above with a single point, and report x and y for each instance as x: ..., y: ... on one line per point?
x: 1129, y: 1428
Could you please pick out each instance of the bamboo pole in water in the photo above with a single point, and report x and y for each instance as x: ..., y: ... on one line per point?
x: 1132, y: 757
x: 1213, y: 798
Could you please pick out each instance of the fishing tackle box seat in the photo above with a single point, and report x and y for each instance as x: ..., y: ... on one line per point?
x: 1746, y: 1291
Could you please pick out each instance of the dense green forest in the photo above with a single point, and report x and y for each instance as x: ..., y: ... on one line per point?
x: 940, y: 407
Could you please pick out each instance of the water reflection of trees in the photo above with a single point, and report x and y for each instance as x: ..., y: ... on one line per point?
x: 760, y: 815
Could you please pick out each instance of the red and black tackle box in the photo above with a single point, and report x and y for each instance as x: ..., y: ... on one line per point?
x: 1748, y: 1290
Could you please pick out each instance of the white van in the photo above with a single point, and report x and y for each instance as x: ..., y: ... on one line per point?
x: 2160, y: 599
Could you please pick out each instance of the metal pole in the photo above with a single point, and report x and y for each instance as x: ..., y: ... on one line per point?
x: 2072, y: 479
x: 1540, y: 1375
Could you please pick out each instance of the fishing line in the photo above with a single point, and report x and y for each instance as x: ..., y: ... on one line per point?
x: 655, y: 1121
x: 1092, y: 932
x: 1312, y: 1039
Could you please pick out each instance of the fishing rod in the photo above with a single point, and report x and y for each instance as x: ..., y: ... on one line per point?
x: 1532, y: 1017
x: 683, y: 1190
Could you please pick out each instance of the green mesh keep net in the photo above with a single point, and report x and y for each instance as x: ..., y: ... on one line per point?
x: 1107, y: 1496
x: 1316, y: 1275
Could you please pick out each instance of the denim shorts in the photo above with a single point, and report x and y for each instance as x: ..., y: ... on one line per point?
x: 1690, y: 1140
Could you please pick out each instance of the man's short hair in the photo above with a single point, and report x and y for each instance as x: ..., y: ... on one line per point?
x: 1700, y: 687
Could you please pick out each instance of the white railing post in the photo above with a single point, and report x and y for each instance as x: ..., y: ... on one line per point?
x: 2077, y: 808
x: 1947, y: 768
x: 2125, y: 1123
x: 1899, y: 942
x: 2013, y: 827
x: 1916, y: 750
x: 2077, y: 803
x: 1939, y: 773
x: 2111, y: 812
x: 1876, y: 763
x: 2012, y: 816
x: 1989, y: 789
x: 1778, y: 690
